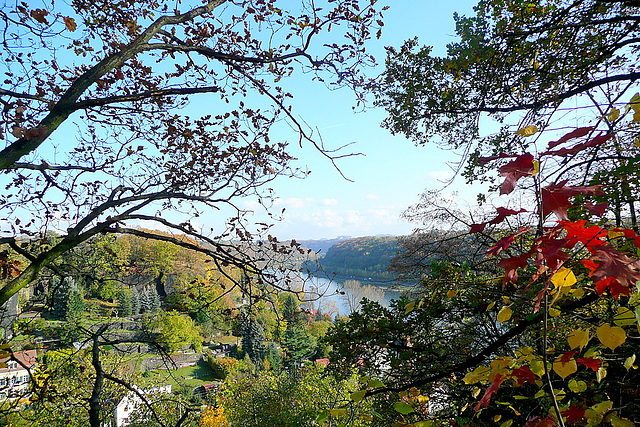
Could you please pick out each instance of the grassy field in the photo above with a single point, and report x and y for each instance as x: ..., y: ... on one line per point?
x: 189, y: 377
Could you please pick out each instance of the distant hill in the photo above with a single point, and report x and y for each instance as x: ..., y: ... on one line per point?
x: 322, y: 245
x: 360, y: 258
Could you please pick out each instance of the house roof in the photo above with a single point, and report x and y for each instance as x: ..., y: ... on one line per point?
x: 25, y: 358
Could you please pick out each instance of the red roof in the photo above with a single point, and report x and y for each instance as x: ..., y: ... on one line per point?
x: 25, y: 358
x: 324, y: 361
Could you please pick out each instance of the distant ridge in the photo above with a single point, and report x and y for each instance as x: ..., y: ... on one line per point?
x: 322, y: 245
x: 362, y: 257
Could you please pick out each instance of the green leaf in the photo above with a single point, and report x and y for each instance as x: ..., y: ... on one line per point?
x: 322, y: 416
x: 624, y: 317
x: 375, y: 384
x: 358, y: 395
x: 403, y: 408
x: 409, y: 307
x: 338, y: 412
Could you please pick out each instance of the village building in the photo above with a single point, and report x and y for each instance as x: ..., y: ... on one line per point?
x: 15, y: 374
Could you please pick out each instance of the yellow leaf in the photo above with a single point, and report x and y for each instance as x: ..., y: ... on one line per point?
x: 527, y: 130
x: 537, y: 367
x: 490, y: 306
x: 620, y: 422
x: 636, y: 116
x: 565, y: 369
x: 577, y: 386
x: 338, y: 412
x: 504, y: 314
x: 497, y: 418
x: 601, y: 374
x: 481, y: 373
x: 452, y: 293
x: 505, y: 299
x: 611, y: 337
x: 536, y: 168
x: 635, y: 102
x: 578, y: 338
x: 629, y: 363
x: 563, y: 277
x: 506, y: 423
x: 554, y: 312
x: 603, y: 407
x: 624, y: 317
x: 613, y: 114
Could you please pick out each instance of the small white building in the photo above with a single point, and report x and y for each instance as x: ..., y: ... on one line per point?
x: 14, y: 374
x: 132, y: 402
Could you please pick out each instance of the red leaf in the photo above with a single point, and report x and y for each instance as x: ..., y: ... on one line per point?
x: 477, y: 228
x: 524, y: 375
x: 567, y: 356
x: 597, y: 209
x: 614, y: 287
x: 617, y: 265
x: 514, y: 170
x: 631, y: 235
x: 590, y: 362
x: 577, y: 133
x: 550, y: 250
x: 502, y: 214
x: 573, y: 414
x: 547, y: 421
x: 484, y: 160
x: 555, y: 198
x: 493, y: 388
x: 588, y: 236
x: 591, y: 265
x: 563, y: 152
x: 511, y: 266
x: 504, y: 242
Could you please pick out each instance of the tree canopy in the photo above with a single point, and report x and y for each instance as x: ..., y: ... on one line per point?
x: 97, y: 138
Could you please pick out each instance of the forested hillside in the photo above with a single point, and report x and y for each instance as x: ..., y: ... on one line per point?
x: 361, y: 257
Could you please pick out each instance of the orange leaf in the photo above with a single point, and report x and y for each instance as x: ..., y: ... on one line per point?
x: 70, y: 23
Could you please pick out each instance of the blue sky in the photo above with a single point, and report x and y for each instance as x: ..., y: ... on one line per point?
x: 391, y: 174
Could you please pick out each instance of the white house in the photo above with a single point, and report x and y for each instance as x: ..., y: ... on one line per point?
x: 14, y: 373
x: 132, y: 402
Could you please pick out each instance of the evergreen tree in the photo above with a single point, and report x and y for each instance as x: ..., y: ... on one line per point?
x: 68, y: 302
x: 145, y: 302
x: 126, y: 302
x: 273, y: 356
x: 155, y: 300
x: 253, y: 341
x: 298, y: 344
x: 135, y: 301
x: 290, y: 308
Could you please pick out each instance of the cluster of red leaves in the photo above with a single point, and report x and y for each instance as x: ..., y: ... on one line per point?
x: 610, y: 268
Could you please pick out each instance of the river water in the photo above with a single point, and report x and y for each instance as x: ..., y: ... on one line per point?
x: 325, y: 294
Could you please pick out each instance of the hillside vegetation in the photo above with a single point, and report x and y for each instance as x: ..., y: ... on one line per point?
x: 361, y: 257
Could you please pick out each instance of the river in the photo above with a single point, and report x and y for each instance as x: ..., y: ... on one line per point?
x: 325, y: 293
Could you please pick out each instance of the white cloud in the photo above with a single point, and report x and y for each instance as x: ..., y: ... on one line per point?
x: 294, y: 202
x: 372, y: 196
x: 330, y: 202
x: 440, y: 175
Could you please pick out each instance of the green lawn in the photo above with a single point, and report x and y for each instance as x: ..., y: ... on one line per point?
x: 189, y: 377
